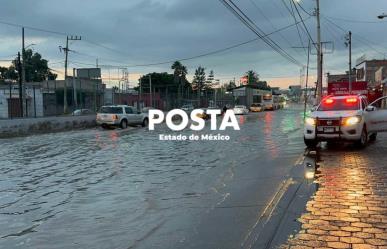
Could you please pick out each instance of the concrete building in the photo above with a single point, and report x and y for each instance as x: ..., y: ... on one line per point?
x: 46, y: 98
x: 341, y: 77
x: 133, y: 98
x: 81, y: 93
x: 295, y: 92
x: 10, y: 101
x: 248, y: 94
x: 366, y: 69
x: 381, y: 80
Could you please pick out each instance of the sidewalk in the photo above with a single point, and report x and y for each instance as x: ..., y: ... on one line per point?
x: 349, y: 209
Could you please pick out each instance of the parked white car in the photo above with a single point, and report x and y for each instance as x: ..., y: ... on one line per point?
x: 188, y: 108
x: 79, y: 112
x: 346, y: 118
x: 240, y: 110
x: 121, y: 115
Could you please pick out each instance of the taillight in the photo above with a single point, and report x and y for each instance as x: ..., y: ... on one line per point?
x: 351, y: 100
x: 328, y: 101
x: 115, y: 117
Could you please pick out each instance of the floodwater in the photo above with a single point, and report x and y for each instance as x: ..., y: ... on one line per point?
x: 126, y: 189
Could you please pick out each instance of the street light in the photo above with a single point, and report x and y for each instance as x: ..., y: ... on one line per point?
x: 382, y: 16
x: 32, y: 44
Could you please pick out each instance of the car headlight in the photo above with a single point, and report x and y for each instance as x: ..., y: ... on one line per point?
x: 352, y: 120
x: 310, y: 121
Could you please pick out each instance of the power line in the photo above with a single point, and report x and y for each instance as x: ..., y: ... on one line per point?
x: 356, y: 37
x: 200, y: 55
x: 33, y: 28
x: 303, y: 23
x: 295, y: 20
x: 271, y: 23
x: 302, y: 8
x: 354, y: 21
x: 105, y: 47
x: 268, y: 41
x: 255, y: 29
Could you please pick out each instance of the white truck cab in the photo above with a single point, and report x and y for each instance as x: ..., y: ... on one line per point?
x: 346, y: 118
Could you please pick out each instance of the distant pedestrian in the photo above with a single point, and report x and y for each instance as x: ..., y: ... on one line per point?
x: 224, y: 109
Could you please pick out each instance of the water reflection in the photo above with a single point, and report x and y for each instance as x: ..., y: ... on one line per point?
x: 110, y: 188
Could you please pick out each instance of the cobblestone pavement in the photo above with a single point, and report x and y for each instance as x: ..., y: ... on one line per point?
x: 349, y: 209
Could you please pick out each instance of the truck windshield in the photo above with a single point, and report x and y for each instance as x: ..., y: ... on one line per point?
x: 339, y: 105
x: 109, y: 109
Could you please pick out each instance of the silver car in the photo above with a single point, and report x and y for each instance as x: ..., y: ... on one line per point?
x: 240, y: 110
x: 121, y: 115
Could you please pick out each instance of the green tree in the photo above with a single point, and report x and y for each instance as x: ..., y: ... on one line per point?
x: 262, y: 85
x: 180, y: 71
x: 253, y: 77
x: 159, y: 80
x: 179, y: 74
x: 8, y: 73
x: 231, y: 85
x: 199, y: 81
x: 36, y: 68
x: 210, y: 79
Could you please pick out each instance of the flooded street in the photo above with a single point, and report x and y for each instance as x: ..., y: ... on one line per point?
x: 126, y: 189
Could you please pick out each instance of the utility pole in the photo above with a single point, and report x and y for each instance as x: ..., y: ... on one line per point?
x: 306, y: 81
x: 140, y: 95
x: 319, y: 55
x: 75, y: 89
x: 66, y: 49
x: 350, y: 61
x: 19, y: 70
x: 23, y: 75
x: 179, y: 92
x: 65, y: 77
x: 150, y: 91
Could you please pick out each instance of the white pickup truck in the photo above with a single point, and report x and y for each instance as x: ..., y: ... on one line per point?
x: 346, y: 118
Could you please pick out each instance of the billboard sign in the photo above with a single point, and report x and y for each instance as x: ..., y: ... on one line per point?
x: 244, y: 80
x: 342, y: 88
x: 89, y: 73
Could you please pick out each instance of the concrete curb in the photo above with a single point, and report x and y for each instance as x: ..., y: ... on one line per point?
x: 28, y: 126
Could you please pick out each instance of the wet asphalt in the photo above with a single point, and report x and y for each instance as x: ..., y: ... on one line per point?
x: 118, y: 188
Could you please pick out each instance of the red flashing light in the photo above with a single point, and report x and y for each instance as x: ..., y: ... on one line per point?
x: 351, y: 100
x: 328, y: 101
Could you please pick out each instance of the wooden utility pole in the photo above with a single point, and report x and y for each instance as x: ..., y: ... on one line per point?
x: 306, y: 81
x: 150, y: 91
x: 319, y: 56
x: 19, y: 70
x: 75, y: 89
x: 66, y: 49
x: 65, y: 77
x: 23, y: 73
x: 350, y: 61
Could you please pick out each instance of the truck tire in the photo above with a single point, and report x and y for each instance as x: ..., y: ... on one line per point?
x: 363, y: 140
x: 124, y: 124
x: 145, y: 122
x: 310, y: 143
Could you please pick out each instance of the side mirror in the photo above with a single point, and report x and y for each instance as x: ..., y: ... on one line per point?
x: 370, y: 108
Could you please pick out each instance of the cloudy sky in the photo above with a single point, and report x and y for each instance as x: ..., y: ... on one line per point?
x: 124, y: 33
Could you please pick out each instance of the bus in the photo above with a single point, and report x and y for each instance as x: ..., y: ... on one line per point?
x: 271, y: 102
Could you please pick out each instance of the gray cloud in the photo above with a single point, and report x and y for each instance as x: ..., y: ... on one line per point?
x: 147, y: 31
